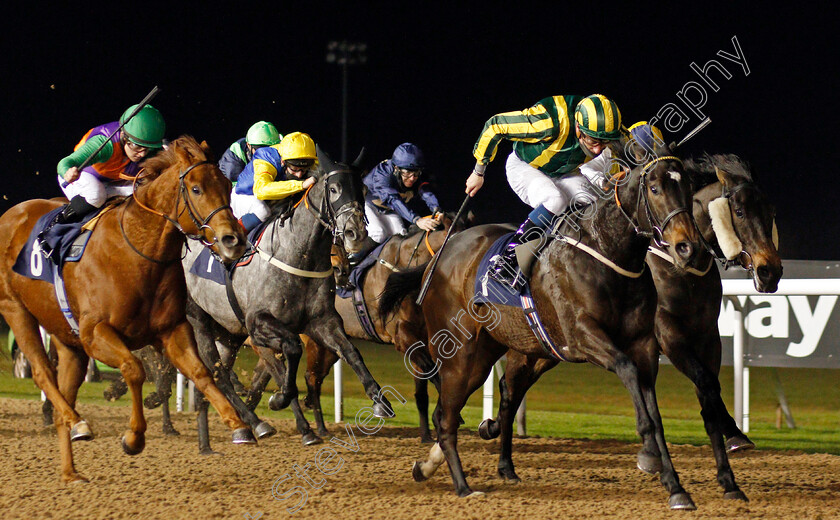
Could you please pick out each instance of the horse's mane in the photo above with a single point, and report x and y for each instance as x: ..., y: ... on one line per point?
x: 174, y: 153
x: 702, y: 169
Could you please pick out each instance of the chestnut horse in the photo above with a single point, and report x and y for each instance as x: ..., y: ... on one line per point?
x: 605, y: 317
x: 127, y: 291
x: 687, y: 312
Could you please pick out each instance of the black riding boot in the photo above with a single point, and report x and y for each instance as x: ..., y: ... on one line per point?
x: 367, y: 246
x: 75, y: 211
x: 505, y: 268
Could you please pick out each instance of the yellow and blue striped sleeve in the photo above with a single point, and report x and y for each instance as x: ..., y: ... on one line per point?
x: 531, y: 125
x: 266, y: 188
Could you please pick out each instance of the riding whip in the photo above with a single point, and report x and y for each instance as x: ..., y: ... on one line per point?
x: 140, y: 106
x: 694, y: 132
x: 428, y: 280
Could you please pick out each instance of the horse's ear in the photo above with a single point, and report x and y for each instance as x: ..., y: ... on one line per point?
x: 723, y: 177
x: 207, y: 151
x: 358, y: 161
x: 327, y: 164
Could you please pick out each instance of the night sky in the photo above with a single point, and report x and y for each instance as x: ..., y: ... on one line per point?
x: 433, y: 77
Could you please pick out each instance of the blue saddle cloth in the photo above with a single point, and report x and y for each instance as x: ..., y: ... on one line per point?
x: 61, y: 237
x: 359, y: 271
x: 488, y: 290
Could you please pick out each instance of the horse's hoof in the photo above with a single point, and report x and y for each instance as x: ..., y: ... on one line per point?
x: 208, y: 451
x: 417, y: 473
x: 681, y: 501
x: 264, y: 430
x: 509, y: 476
x: 736, y: 495
x: 243, y: 436
x: 426, y: 438
x: 473, y: 494
x: 81, y: 432
x: 310, y: 439
x: 129, y: 450
x: 648, y: 463
x: 171, y: 432
x: 739, y: 443
x: 382, y: 410
x: 323, y: 432
x: 278, y: 401
x: 485, y: 429
x: 152, y: 401
x: 76, y: 479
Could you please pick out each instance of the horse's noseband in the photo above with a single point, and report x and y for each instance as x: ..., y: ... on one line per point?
x: 346, y: 203
x: 657, y: 228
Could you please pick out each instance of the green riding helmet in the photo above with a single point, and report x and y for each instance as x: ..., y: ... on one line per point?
x: 263, y: 133
x: 146, y: 128
x: 598, y: 117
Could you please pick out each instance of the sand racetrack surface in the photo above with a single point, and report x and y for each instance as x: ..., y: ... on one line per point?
x: 560, y: 478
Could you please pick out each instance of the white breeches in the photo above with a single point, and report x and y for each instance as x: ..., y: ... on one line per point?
x: 243, y: 204
x: 382, y: 226
x: 535, y: 187
x: 94, y: 190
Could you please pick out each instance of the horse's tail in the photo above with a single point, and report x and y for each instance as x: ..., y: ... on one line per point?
x: 397, y: 287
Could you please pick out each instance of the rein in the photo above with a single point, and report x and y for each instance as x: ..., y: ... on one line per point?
x: 183, y: 193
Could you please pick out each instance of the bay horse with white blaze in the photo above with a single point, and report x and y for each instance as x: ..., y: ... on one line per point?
x: 604, y: 316
x: 127, y: 291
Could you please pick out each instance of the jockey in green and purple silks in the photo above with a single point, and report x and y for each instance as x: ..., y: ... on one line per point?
x: 105, y: 175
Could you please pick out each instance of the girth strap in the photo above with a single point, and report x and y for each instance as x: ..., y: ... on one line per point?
x: 231, y: 295
x: 61, y: 296
x: 362, y: 313
x: 536, y: 325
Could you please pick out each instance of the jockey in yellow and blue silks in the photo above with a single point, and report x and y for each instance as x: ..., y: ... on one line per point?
x: 240, y: 153
x: 551, y: 140
x: 276, y: 172
x: 89, y: 188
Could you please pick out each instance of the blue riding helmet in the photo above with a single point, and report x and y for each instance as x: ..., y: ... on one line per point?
x: 408, y: 156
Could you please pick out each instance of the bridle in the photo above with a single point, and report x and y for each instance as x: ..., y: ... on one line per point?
x: 744, y: 258
x: 189, y: 206
x: 657, y: 228
x: 329, y: 212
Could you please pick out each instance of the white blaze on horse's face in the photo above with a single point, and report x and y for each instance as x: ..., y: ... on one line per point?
x: 675, y: 175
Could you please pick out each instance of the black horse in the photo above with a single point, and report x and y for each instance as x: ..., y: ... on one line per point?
x: 737, y: 222
x: 605, y: 317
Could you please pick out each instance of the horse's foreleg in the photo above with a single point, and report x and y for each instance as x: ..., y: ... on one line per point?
x: 267, y: 332
x: 108, y: 347
x: 72, y: 366
x: 329, y: 333
x: 180, y: 347
x: 164, y: 377
x: 716, y: 418
x: 277, y: 371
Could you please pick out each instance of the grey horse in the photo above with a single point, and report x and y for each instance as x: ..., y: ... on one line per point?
x: 286, y: 289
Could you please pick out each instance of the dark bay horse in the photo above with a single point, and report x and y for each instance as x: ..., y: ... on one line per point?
x: 126, y: 292
x: 404, y: 329
x: 742, y: 219
x: 287, y: 289
x: 603, y: 316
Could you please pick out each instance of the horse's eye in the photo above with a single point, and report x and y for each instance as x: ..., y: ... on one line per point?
x: 333, y: 189
x: 196, y: 190
x: 654, y: 190
x: 739, y: 212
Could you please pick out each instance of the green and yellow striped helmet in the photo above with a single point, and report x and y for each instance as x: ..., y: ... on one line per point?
x: 598, y: 117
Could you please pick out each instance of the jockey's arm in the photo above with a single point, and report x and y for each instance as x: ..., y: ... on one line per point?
x: 80, y: 155
x: 266, y: 188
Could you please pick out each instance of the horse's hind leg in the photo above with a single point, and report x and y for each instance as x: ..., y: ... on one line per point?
x: 72, y: 367
x: 259, y: 380
x: 275, y: 367
x: 164, y: 377
x: 520, y: 375
x: 318, y: 363
x: 28, y: 338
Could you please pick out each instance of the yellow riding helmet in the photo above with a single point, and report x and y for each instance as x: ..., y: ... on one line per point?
x: 297, y: 145
x: 598, y: 117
